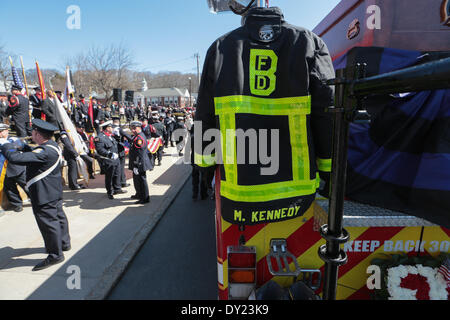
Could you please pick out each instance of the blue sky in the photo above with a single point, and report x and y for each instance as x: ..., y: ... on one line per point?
x: 163, y: 35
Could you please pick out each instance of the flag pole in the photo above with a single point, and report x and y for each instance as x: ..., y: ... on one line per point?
x: 26, y: 87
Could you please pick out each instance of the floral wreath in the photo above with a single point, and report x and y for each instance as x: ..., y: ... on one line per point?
x: 413, y: 278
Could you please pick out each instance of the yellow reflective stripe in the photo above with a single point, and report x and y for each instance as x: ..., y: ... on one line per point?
x: 299, y: 145
x: 228, y: 123
x: 324, y: 165
x: 262, y: 106
x: 204, y: 161
x: 317, y: 180
x: 267, y: 192
x: 296, y: 108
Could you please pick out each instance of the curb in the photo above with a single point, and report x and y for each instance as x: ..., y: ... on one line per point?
x: 114, y: 272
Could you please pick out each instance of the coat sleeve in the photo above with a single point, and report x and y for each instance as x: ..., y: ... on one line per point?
x: 38, y: 155
x: 322, y: 97
x: 205, y: 113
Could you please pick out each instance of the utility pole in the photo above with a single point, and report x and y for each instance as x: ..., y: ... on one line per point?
x: 197, y: 56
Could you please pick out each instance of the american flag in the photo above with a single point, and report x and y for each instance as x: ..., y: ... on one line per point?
x: 17, y: 81
x: 444, y: 270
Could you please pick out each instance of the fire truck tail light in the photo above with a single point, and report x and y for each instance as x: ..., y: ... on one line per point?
x: 241, y: 260
x: 242, y: 276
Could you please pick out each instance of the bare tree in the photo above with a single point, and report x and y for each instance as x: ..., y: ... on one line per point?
x: 102, y: 69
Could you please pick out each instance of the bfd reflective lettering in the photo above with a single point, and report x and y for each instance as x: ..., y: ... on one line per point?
x: 263, y: 65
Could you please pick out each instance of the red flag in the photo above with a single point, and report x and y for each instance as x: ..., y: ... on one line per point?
x: 91, y: 144
x: 91, y: 112
x: 42, y: 85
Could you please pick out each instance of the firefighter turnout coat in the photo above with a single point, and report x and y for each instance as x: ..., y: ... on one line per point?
x: 263, y: 87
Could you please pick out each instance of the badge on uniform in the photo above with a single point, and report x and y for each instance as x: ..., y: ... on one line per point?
x: 139, y: 143
x: 266, y: 33
x: 13, y: 101
x: 38, y: 150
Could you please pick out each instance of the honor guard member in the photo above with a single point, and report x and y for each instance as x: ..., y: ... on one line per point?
x: 139, y: 161
x: 107, y: 149
x: 15, y: 174
x: 44, y: 184
x: 18, y: 108
x: 266, y: 77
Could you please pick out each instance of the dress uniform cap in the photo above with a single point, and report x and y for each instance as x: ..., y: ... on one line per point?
x: 3, y: 126
x: 44, y: 126
x: 15, y: 87
x: 106, y: 124
x: 136, y: 124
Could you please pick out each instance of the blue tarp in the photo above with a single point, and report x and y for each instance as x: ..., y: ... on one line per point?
x: 401, y: 160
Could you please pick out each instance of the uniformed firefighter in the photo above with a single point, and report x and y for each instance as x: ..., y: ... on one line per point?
x: 15, y: 173
x: 264, y: 86
x: 161, y: 133
x: 169, y: 122
x: 180, y: 137
x: 18, y: 108
x: 36, y: 103
x: 44, y: 183
x: 139, y: 161
x: 70, y: 155
x: 48, y: 107
x: 199, y: 177
x: 121, y: 148
x: 3, y: 105
x: 107, y: 150
x: 149, y: 132
x: 88, y: 158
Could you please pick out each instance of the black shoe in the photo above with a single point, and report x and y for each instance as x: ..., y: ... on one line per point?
x: 180, y: 154
x: 110, y: 196
x: 159, y: 163
x: 91, y: 176
x: 143, y: 201
x: 133, y: 197
x: 125, y: 185
x: 17, y: 209
x: 48, y: 262
x: 119, y: 192
x: 67, y: 248
x: 77, y: 187
x: 204, y: 197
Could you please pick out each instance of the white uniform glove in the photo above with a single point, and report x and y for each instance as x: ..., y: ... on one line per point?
x: 136, y: 171
x: 115, y: 156
x: 3, y: 141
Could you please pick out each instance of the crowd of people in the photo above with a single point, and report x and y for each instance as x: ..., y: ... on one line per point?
x: 109, y: 134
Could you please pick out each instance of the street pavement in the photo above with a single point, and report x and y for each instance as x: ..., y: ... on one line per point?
x: 178, y: 261
x: 106, y: 235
